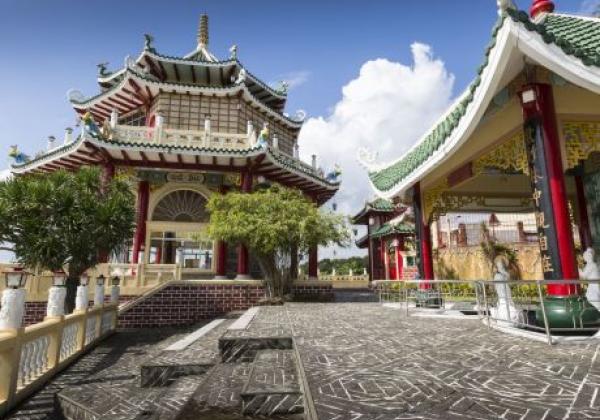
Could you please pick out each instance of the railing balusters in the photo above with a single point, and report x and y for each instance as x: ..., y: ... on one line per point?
x: 31, y: 355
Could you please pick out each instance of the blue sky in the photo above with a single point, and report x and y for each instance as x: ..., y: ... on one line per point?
x: 48, y: 47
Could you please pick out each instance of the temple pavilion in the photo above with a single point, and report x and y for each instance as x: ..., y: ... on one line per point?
x: 389, y: 240
x: 183, y: 128
x: 523, y: 137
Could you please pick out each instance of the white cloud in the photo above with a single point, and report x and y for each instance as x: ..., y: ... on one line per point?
x: 386, y: 108
x: 589, y: 7
x: 293, y: 79
x: 5, y: 174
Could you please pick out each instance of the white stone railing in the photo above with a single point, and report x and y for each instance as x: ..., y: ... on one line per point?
x: 177, y: 137
x: 30, y: 356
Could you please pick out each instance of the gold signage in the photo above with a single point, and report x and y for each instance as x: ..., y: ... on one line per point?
x: 185, y: 177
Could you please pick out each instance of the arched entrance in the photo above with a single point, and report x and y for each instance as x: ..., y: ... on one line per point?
x: 176, y: 231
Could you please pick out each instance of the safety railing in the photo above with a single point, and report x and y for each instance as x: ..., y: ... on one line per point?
x: 521, y: 304
x: 30, y: 356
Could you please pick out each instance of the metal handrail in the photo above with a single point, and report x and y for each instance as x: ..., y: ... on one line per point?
x: 517, y: 306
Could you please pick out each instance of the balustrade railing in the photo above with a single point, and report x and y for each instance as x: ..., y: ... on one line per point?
x: 30, y: 356
x: 172, y: 136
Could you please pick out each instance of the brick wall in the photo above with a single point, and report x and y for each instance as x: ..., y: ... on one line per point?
x: 36, y: 311
x: 182, y: 304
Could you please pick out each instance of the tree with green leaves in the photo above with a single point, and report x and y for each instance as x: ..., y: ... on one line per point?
x: 65, y: 220
x: 271, y: 222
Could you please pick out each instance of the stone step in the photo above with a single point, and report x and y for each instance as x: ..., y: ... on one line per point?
x: 264, y: 329
x: 87, y: 402
x: 273, y: 386
x: 195, y: 354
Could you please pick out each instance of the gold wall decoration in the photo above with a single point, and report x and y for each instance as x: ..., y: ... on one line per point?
x: 432, y: 196
x: 581, y: 139
x: 509, y: 156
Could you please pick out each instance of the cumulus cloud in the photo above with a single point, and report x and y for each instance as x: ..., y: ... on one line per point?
x: 386, y: 108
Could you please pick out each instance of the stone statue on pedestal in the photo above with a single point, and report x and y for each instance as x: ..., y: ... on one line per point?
x: 591, y: 271
x: 505, y: 308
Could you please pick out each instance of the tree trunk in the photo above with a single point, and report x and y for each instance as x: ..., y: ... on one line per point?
x: 72, y: 283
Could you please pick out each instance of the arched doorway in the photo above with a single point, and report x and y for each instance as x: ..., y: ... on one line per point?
x: 176, y: 230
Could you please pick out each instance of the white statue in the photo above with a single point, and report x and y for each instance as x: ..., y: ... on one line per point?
x: 591, y: 271
x: 241, y: 77
x: 505, y: 308
x: 56, y: 301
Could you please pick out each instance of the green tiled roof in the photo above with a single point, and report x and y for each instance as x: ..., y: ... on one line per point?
x: 381, y: 204
x: 576, y: 36
x: 388, y: 229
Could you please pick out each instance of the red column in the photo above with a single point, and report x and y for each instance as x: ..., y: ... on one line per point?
x: 243, y: 271
x: 585, y: 233
x: 423, y: 237
x: 539, y: 112
x: 398, y: 261
x: 221, y: 260
x: 142, y: 214
x: 386, y: 260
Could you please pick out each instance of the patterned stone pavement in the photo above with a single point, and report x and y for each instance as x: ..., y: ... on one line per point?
x: 359, y: 361
x: 105, y: 371
x: 364, y: 361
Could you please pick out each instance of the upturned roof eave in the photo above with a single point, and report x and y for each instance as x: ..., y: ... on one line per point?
x: 530, y: 44
x: 131, y: 74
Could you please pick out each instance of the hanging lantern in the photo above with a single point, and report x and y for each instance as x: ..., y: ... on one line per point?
x: 15, y: 279
x: 59, y: 278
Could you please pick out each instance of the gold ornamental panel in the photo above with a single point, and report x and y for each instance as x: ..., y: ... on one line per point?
x: 510, y: 156
x: 581, y: 139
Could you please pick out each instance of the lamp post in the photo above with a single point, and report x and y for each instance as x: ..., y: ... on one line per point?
x: 81, y: 299
x: 13, y: 300
x: 56, y: 295
x: 115, y: 290
x: 99, y: 291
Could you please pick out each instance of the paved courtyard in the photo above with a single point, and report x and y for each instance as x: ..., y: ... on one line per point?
x: 355, y: 361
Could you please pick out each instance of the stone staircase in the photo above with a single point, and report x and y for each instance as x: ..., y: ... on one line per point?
x: 225, y: 374
x: 273, y: 386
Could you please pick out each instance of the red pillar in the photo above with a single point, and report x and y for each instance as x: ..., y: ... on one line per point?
x: 423, y: 234
x: 243, y: 270
x: 221, y: 260
x: 398, y: 260
x: 539, y: 114
x: 585, y: 233
x: 142, y: 214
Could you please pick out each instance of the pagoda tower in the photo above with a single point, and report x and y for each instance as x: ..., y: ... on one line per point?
x: 183, y: 128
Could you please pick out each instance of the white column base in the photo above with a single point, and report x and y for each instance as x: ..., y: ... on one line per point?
x: 312, y: 278
x: 243, y: 277
x: 56, y: 301
x: 81, y: 299
x: 220, y: 278
x: 13, y: 309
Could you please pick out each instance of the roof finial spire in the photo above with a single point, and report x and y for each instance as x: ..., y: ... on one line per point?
x: 203, y: 31
x: 541, y: 7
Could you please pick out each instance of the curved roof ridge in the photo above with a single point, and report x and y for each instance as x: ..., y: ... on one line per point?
x: 385, y: 178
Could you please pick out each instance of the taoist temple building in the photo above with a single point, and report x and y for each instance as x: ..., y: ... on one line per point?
x: 184, y: 128
x: 523, y: 137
